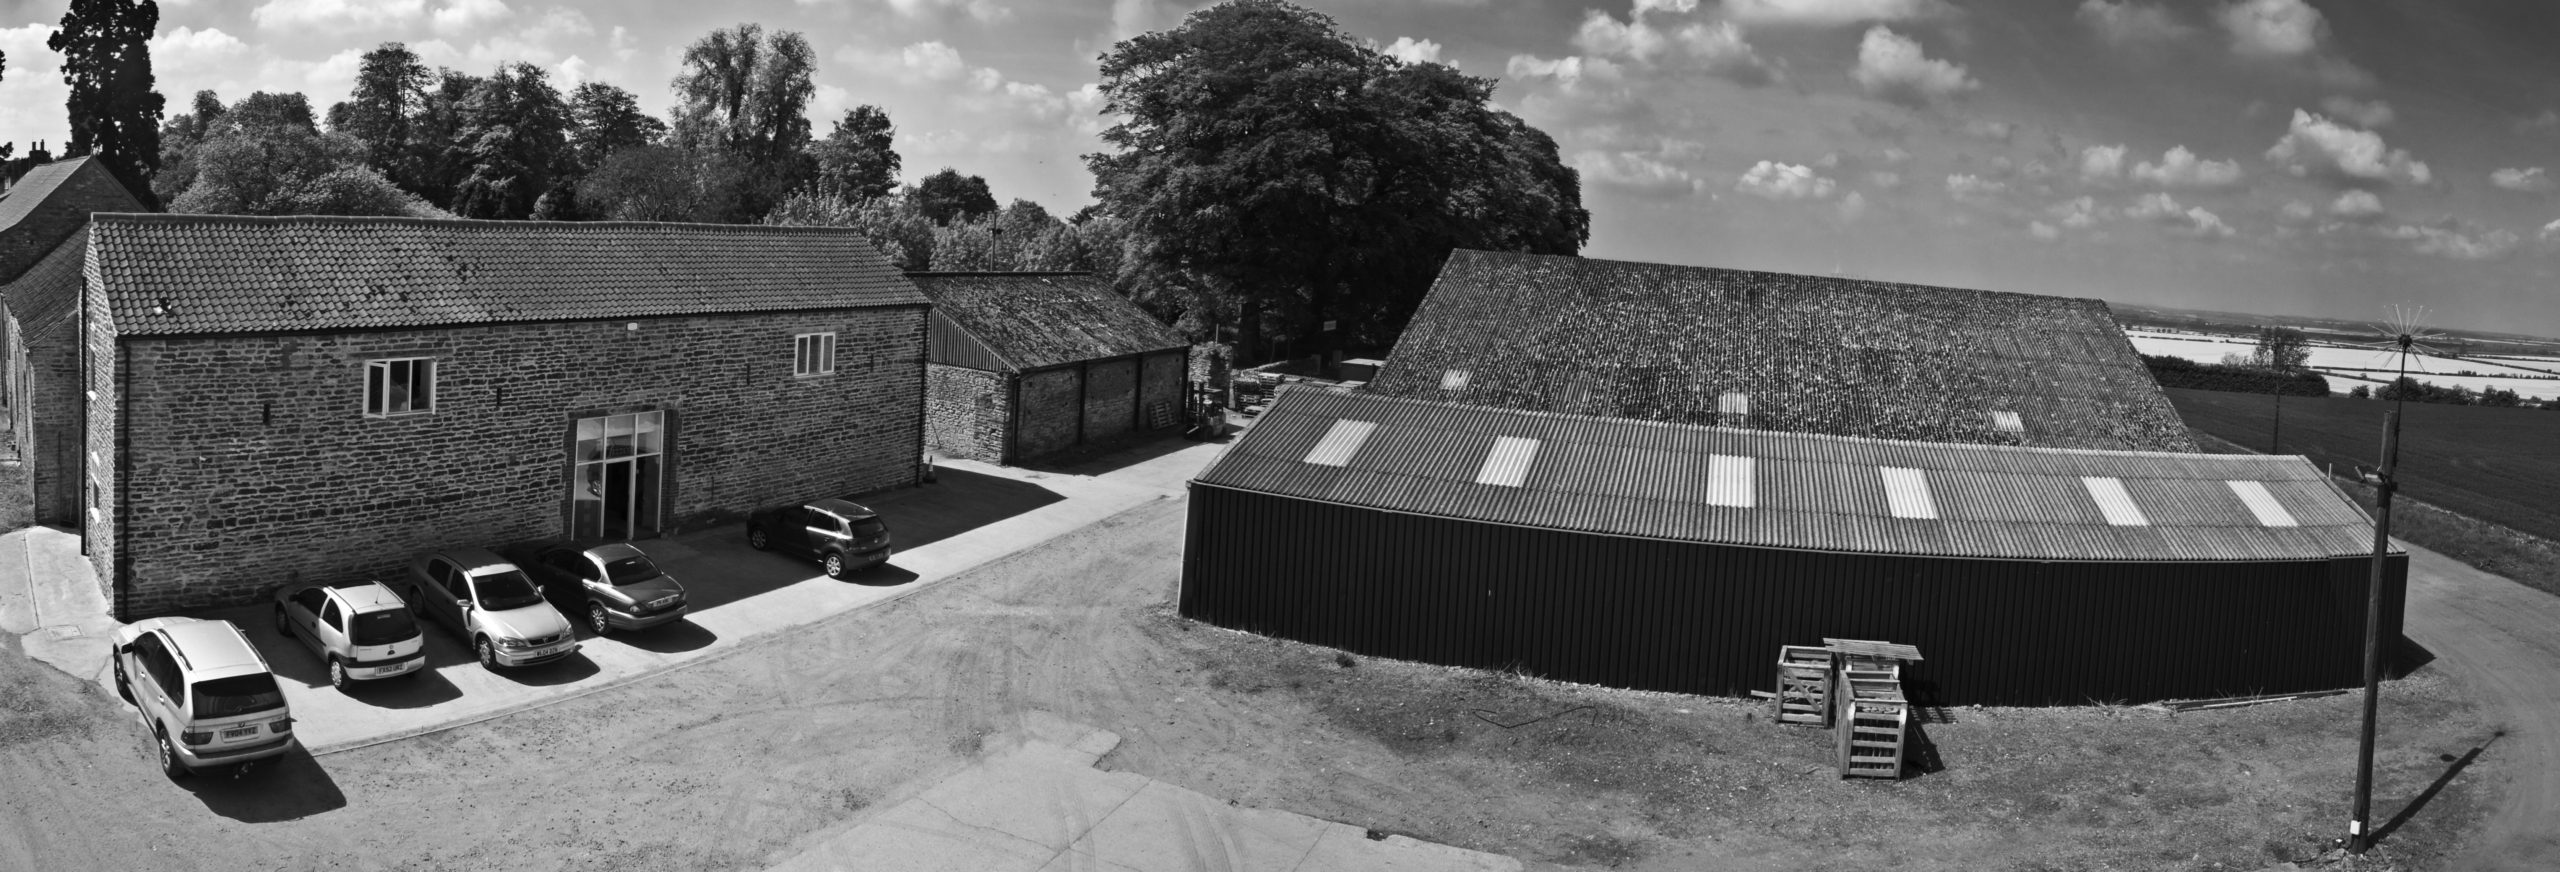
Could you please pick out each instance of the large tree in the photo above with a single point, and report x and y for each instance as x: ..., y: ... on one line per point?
x: 115, y: 113
x: 856, y: 156
x: 514, y: 140
x: 746, y: 91
x: 1267, y: 157
x: 390, y: 92
x: 948, y: 196
x: 604, y: 119
x: 265, y: 156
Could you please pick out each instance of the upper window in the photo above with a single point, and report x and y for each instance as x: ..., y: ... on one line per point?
x: 404, y: 386
x: 813, y: 354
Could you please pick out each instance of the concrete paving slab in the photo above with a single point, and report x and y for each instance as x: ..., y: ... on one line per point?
x: 1034, y: 797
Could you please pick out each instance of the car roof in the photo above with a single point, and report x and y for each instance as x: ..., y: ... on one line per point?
x: 849, y: 509
x: 212, y: 648
x: 472, y: 560
x: 368, y: 595
x: 615, y: 551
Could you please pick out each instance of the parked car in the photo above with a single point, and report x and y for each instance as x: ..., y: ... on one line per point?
x: 841, y: 535
x: 360, y: 629
x: 491, y: 605
x: 615, y: 585
x: 206, y: 695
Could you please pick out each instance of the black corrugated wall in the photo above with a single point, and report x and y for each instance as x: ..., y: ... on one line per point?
x: 1696, y: 618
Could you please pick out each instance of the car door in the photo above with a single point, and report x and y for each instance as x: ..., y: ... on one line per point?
x: 789, y: 535
x: 573, y: 569
x: 826, y: 532
x: 329, y: 634
x: 155, y: 680
x: 442, y: 581
x: 301, y: 613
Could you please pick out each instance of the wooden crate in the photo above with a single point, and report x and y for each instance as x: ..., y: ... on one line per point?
x: 1873, y: 723
x: 1804, y: 686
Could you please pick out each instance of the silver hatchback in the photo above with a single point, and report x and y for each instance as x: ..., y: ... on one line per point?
x: 360, y: 629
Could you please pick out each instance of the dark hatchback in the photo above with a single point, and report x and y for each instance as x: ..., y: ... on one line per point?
x: 841, y: 535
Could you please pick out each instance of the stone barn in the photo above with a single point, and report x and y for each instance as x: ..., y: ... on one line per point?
x: 44, y: 221
x: 1024, y: 364
x: 273, y: 399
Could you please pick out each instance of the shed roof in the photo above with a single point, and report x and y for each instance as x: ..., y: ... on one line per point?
x: 186, y: 274
x: 1036, y: 320
x: 1775, y: 489
x: 1807, y: 353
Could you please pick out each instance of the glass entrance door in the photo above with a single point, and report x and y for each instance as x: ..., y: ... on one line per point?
x: 617, y: 470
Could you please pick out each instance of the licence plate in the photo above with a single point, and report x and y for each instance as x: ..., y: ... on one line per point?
x: 397, y: 668
x: 553, y: 648
x: 240, y: 732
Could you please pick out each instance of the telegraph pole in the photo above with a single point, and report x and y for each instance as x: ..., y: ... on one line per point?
x: 2359, y: 827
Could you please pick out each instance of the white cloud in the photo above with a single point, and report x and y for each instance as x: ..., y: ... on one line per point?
x: 2180, y: 168
x: 2457, y: 239
x: 1832, y: 13
x: 1885, y: 179
x: 2531, y: 180
x: 2041, y: 230
x: 2189, y: 221
x: 2078, y: 212
x: 2356, y: 204
x: 1891, y: 67
x: 2299, y: 211
x: 1717, y: 48
x: 2288, y: 31
x: 2131, y: 23
x: 2316, y: 145
x: 340, y: 15
x: 1853, y: 207
x: 2102, y: 161
x: 1990, y: 131
x: 1569, y: 72
x: 985, y: 11
x: 2551, y: 231
x: 1637, y: 172
x: 1973, y: 188
x: 457, y: 16
x: 623, y: 45
x: 1779, y: 181
x: 2365, y: 113
x: 1413, y: 51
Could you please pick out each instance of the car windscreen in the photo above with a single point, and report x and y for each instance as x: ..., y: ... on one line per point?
x: 236, y: 695
x: 509, y: 589
x: 384, y: 627
x: 630, y: 569
x: 869, y: 527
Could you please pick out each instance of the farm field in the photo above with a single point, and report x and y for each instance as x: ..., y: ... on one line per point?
x: 2530, y: 377
x: 2500, y: 465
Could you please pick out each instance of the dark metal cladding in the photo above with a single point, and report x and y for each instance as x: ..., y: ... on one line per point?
x: 1706, y: 618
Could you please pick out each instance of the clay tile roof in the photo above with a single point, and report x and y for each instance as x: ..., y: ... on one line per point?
x: 50, y: 290
x: 1039, y: 320
x: 187, y: 274
x: 1813, y: 354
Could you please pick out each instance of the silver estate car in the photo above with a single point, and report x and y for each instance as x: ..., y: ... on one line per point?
x: 360, y: 629
x: 492, y: 605
x: 203, y: 691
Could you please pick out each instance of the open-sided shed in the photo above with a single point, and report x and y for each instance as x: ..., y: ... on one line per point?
x: 1025, y: 364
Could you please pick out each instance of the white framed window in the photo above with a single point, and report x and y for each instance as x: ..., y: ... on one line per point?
x: 399, y: 386
x: 813, y: 354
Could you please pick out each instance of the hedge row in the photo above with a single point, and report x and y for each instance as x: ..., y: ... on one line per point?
x: 2179, y: 372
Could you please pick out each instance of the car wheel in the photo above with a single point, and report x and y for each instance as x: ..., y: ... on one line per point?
x: 596, y: 619
x: 283, y: 628
x: 488, y: 655
x: 169, y: 764
x: 756, y: 539
x: 835, y: 566
x: 123, y: 689
x: 338, y: 674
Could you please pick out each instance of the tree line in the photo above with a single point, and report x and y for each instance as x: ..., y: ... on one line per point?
x: 1270, y: 176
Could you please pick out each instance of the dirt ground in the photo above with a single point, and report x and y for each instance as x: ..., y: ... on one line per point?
x: 742, y: 760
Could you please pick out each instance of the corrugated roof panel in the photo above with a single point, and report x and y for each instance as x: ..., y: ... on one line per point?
x: 2262, y: 504
x: 1729, y: 481
x: 2007, y: 422
x: 2113, y: 502
x: 1340, y: 441
x: 1906, y: 492
x: 1507, y: 465
x: 1453, y: 380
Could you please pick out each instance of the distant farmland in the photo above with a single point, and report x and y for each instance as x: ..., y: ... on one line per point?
x: 2497, y: 464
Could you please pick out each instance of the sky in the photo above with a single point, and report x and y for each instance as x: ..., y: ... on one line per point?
x: 2313, y: 157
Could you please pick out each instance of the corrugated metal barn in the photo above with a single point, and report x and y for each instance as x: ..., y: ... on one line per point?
x: 1025, y: 364
x: 1679, y: 557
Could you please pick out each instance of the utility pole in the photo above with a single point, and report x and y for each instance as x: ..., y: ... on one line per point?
x: 2359, y: 827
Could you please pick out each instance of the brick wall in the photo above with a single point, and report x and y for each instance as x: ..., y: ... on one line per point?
x: 101, y: 447
x: 1047, y: 420
x: 249, y: 463
x: 1165, y: 381
x: 1110, y: 398
x: 965, y: 412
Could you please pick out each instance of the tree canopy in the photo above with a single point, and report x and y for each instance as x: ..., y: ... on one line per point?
x: 856, y: 156
x: 391, y: 90
x: 514, y: 138
x: 115, y: 111
x: 265, y: 156
x: 604, y: 119
x: 947, y: 195
x: 1265, y: 155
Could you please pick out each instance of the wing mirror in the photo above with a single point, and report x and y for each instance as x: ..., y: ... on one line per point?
x: 462, y: 603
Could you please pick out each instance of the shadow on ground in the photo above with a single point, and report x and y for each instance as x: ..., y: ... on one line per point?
x: 1118, y: 454
x: 293, y: 661
x: 286, y: 788
x: 2457, y: 764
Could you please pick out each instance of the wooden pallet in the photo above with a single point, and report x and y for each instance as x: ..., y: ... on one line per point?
x: 1804, y: 686
x: 1874, y: 720
x: 1159, y: 415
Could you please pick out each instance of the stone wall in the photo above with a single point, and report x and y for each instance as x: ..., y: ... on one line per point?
x: 1110, y: 398
x: 965, y: 412
x: 1166, y: 380
x: 53, y: 394
x: 1046, y: 422
x: 248, y: 461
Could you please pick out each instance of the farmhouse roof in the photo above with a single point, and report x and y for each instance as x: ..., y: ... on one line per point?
x: 50, y: 290
x: 1773, y: 489
x: 1035, y: 320
x: 1789, y: 352
x: 186, y: 274
x: 68, y: 189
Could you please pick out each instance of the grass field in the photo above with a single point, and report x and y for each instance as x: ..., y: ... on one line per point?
x: 2500, y: 465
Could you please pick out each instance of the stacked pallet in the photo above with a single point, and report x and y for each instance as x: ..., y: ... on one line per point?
x: 1804, y: 686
